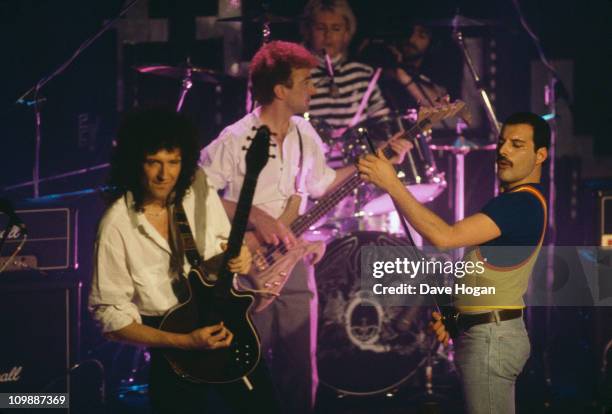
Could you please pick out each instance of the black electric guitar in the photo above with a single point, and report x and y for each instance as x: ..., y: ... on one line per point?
x: 213, y: 300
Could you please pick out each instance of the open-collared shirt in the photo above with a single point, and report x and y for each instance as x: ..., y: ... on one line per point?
x: 223, y: 160
x: 132, y: 264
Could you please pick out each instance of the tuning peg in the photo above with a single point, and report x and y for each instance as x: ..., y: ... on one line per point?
x: 272, y: 156
x: 272, y: 144
x: 254, y: 128
x: 244, y: 148
x: 249, y: 139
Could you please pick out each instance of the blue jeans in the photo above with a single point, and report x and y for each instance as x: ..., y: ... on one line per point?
x: 489, y: 357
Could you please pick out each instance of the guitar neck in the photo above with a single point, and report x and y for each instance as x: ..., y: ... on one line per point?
x: 239, y: 224
x: 325, y: 204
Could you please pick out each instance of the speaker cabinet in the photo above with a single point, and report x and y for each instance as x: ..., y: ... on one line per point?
x: 40, y: 324
x: 605, y: 217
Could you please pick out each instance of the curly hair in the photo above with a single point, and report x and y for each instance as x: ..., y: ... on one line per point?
x: 144, y: 132
x: 272, y: 65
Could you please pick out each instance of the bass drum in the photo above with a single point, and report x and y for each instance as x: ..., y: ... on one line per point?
x: 364, y: 348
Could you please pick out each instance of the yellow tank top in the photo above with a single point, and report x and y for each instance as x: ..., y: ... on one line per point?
x: 510, y: 283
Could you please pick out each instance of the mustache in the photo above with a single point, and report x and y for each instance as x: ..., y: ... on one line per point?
x: 504, y: 159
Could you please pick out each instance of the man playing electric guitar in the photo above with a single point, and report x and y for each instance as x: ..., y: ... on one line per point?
x: 492, y: 346
x: 280, y: 76
x: 139, y: 265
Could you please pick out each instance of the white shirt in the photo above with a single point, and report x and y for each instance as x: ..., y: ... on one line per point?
x: 132, y: 273
x: 224, y: 163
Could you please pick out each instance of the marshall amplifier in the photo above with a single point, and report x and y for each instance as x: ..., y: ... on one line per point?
x: 605, y: 217
x: 51, y: 241
x: 40, y: 322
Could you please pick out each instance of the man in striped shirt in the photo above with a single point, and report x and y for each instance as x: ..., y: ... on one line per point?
x: 328, y: 27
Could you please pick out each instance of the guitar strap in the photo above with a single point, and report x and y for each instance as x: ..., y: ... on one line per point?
x: 298, y: 178
x: 185, y: 239
x: 184, y: 243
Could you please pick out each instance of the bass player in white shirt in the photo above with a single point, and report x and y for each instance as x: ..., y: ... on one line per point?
x: 282, y: 86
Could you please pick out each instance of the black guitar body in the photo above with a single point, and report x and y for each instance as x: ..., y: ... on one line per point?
x: 210, y: 303
x: 207, y: 306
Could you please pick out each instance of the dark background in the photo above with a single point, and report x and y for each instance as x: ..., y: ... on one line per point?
x: 80, y: 117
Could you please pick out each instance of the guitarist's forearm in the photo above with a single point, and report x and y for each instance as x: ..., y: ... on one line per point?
x: 230, y: 209
x: 143, y: 335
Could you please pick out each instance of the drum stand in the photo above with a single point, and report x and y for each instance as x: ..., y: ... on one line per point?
x: 186, y: 85
x: 429, y: 396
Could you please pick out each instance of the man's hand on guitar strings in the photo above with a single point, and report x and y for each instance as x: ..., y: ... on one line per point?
x: 437, y: 326
x: 273, y: 231
x: 210, y: 337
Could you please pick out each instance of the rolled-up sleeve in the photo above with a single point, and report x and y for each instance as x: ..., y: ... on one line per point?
x: 320, y: 175
x: 112, y: 290
x: 217, y: 161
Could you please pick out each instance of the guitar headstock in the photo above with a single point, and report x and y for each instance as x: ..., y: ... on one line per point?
x: 444, y: 110
x: 257, y: 154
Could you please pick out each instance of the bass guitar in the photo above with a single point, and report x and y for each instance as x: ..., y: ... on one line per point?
x: 273, y: 264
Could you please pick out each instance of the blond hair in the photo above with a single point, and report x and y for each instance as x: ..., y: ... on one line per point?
x: 313, y: 7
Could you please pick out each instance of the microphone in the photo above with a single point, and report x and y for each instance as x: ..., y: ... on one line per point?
x: 7, y: 208
x: 328, y: 65
x: 333, y: 88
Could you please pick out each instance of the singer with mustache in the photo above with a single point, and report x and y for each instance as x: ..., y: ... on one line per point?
x: 492, y: 344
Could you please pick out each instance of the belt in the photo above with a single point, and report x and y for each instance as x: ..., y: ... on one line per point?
x: 466, y: 320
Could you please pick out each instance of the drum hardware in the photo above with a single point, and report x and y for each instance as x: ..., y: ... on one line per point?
x: 187, y: 73
x: 458, y: 37
x: 265, y: 19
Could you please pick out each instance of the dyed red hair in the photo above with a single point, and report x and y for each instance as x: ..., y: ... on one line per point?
x: 272, y: 65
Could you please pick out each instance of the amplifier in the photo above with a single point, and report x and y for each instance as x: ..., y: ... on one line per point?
x: 605, y: 220
x: 40, y: 334
x: 51, y: 243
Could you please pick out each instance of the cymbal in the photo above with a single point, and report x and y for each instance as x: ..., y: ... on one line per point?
x: 258, y: 18
x: 460, y: 22
x: 463, y: 148
x: 180, y: 72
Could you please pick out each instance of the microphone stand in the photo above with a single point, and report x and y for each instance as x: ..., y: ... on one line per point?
x: 458, y: 37
x: 484, y: 96
x: 34, y: 91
